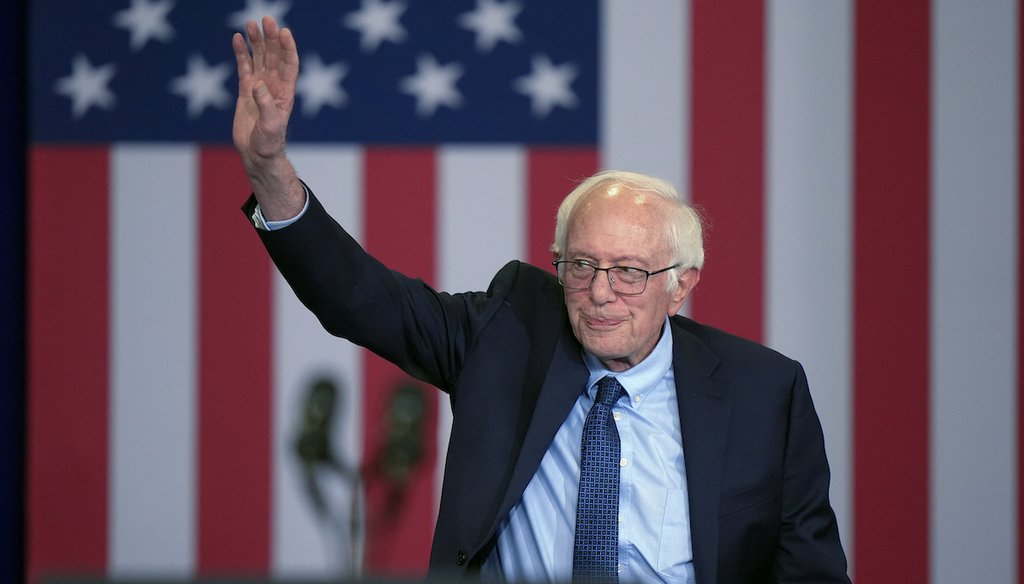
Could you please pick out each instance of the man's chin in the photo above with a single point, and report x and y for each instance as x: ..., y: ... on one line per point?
x: 599, y: 345
x: 604, y: 351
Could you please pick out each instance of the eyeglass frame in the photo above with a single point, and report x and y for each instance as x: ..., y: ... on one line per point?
x: 608, y: 274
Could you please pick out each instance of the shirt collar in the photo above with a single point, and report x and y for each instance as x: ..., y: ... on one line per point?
x: 640, y: 378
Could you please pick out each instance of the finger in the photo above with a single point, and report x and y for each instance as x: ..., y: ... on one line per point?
x: 272, y: 39
x: 252, y: 30
x: 269, y: 27
x: 289, y: 51
x: 282, y: 56
x: 243, y: 59
x: 256, y: 42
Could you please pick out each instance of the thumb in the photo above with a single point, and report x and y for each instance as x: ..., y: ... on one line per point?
x: 261, y: 94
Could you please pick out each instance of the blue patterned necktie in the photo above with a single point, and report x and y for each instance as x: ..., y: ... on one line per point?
x: 595, y: 554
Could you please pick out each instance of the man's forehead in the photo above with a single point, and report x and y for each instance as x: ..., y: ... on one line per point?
x: 617, y: 193
x: 649, y: 247
x: 615, y: 203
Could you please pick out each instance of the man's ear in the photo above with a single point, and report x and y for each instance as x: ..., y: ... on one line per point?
x: 687, y: 282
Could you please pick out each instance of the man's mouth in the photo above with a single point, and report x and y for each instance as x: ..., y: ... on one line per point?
x: 599, y: 323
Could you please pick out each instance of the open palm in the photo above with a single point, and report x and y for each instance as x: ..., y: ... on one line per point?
x: 266, y: 90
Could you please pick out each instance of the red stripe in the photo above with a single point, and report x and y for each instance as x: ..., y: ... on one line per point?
x: 728, y: 160
x: 68, y: 351
x: 234, y: 376
x: 551, y: 174
x: 400, y: 199
x: 891, y: 330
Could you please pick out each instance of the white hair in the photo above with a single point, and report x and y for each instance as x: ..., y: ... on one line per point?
x: 683, y: 224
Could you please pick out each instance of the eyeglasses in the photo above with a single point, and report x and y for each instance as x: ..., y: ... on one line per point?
x: 624, y: 280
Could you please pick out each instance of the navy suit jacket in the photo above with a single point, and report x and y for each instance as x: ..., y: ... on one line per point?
x: 754, y: 453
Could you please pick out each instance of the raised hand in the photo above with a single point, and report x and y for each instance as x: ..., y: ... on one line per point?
x: 266, y: 95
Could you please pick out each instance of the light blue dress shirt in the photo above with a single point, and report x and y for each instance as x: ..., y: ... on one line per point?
x: 535, y: 541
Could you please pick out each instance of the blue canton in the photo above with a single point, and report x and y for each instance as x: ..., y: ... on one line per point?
x: 378, y: 72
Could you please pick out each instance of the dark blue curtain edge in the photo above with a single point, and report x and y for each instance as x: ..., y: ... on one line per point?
x: 13, y: 87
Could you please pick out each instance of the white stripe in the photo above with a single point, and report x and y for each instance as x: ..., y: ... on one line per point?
x: 974, y: 286
x: 153, y: 360
x: 809, y: 215
x: 481, y: 210
x: 307, y: 544
x: 481, y: 226
x: 644, y: 99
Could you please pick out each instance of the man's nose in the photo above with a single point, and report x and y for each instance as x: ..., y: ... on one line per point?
x: 601, y: 288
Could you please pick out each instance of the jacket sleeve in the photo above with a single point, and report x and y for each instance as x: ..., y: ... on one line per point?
x: 809, y: 548
x: 354, y: 296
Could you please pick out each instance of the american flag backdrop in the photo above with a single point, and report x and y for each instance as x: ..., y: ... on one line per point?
x: 858, y: 162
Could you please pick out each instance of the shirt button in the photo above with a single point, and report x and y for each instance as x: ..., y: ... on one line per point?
x: 618, y: 568
x: 617, y: 416
x: 623, y: 462
x: 636, y: 399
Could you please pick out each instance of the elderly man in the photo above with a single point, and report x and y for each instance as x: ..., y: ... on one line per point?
x: 597, y: 436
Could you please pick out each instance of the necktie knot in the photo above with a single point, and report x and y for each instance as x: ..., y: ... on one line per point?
x: 609, y: 390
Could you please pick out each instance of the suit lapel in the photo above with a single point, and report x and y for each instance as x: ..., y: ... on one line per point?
x: 556, y: 378
x: 704, y: 408
x: 567, y: 375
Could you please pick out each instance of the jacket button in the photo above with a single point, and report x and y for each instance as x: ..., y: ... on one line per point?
x: 460, y: 558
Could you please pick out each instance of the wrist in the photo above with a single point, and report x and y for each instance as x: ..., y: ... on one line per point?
x: 277, y: 188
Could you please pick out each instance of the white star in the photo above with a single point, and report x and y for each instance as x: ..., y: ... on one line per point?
x: 146, y: 21
x: 256, y: 10
x: 203, y: 86
x: 547, y: 85
x: 87, y: 86
x: 320, y: 85
x: 493, y: 22
x: 433, y: 85
x: 377, y: 21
